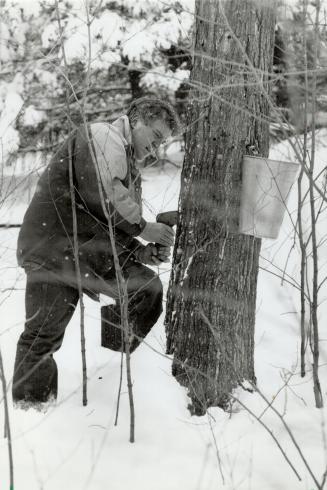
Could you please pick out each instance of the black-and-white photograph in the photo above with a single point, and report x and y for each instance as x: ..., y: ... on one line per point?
x: 163, y: 244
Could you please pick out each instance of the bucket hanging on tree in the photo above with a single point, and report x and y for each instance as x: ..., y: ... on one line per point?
x: 266, y: 186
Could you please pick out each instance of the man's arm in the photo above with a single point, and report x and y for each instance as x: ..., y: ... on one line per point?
x: 111, y: 162
x: 125, y: 213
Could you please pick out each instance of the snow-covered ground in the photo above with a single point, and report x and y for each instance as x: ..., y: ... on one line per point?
x: 79, y: 448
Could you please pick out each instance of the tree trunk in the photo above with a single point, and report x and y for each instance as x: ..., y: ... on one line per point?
x: 134, y: 79
x: 212, y: 293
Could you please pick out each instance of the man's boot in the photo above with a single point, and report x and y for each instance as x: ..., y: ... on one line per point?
x: 112, y: 335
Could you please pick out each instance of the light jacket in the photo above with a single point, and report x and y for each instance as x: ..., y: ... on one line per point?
x: 102, y: 163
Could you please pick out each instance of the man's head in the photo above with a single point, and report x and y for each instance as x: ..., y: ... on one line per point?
x: 152, y: 121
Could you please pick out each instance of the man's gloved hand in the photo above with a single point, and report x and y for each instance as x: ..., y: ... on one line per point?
x: 150, y: 254
x: 163, y: 253
x: 158, y: 233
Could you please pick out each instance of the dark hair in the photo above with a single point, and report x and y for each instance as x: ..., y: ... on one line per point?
x: 150, y: 109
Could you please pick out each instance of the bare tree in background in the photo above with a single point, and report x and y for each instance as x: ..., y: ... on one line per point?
x: 214, y: 277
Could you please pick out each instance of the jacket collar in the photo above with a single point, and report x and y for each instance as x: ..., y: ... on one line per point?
x: 122, y: 123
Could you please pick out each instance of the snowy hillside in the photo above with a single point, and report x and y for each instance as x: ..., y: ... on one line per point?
x: 78, y: 447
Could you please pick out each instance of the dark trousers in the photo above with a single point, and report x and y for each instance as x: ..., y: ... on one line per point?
x: 50, y: 301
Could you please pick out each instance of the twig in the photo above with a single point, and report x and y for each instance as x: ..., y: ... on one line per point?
x: 217, y: 450
x: 122, y: 288
x: 206, y: 320
x: 75, y: 232
x: 119, y: 387
x: 314, y: 303
x: 10, y: 225
x: 300, y: 201
x: 7, y: 424
x: 257, y: 390
x: 290, y: 433
x: 271, y: 104
x: 269, y: 432
x: 128, y: 336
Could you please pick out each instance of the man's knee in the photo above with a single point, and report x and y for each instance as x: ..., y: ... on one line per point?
x: 154, y: 298
x: 153, y: 290
x: 156, y: 287
x: 149, y: 291
x: 145, y: 290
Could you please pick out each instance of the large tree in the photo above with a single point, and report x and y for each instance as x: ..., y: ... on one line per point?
x: 212, y: 294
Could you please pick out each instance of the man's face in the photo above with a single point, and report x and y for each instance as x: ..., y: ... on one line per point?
x: 147, y: 138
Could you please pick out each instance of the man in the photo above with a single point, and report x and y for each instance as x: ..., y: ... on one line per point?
x: 99, y: 166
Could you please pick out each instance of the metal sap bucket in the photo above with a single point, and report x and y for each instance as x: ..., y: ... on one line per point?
x: 266, y: 186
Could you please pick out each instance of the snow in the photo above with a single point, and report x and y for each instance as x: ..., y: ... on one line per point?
x: 165, y: 78
x: 109, y: 27
x: 5, y: 51
x: 32, y: 116
x: 139, y: 8
x: 189, y: 263
x: 75, y: 47
x: 102, y: 59
x: 138, y: 43
x: 46, y: 78
x: 142, y: 36
x: 49, y: 35
x: 281, y: 252
x: 136, y: 37
x: 12, y: 103
x: 167, y: 30
x: 78, y: 447
x: 30, y: 7
x: 71, y: 446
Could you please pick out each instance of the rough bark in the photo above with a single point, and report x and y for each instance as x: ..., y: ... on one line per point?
x: 212, y: 293
x: 134, y: 79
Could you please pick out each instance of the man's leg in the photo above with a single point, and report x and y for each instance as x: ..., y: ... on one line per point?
x: 145, y: 299
x: 144, y: 290
x: 49, y: 308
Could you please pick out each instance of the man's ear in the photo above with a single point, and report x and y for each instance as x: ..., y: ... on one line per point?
x: 132, y: 122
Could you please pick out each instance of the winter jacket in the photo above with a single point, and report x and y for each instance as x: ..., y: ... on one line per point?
x: 102, y: 163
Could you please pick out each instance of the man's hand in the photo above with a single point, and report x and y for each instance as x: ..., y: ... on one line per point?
x: 163, y: 253
x: 151, y: 255
x: 158, y: 233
